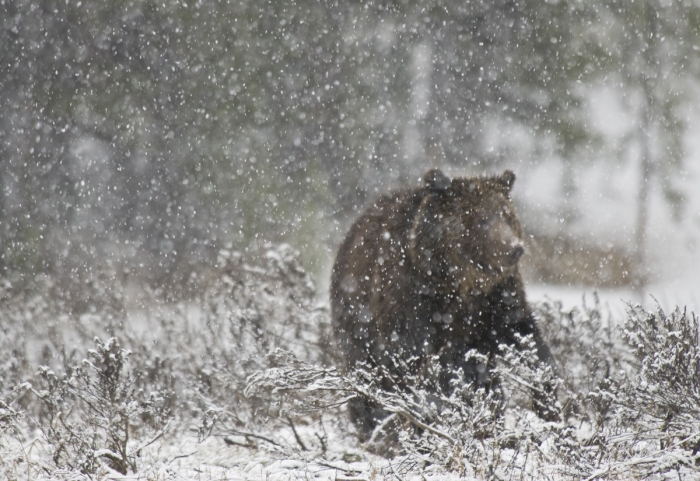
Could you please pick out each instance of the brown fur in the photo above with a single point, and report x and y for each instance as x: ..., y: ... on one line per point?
x: 431, y: 271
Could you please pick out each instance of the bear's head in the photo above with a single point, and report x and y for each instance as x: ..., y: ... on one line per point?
x: 466, y: 236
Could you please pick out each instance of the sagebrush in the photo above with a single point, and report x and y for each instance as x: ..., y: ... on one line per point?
x: 248, y: 360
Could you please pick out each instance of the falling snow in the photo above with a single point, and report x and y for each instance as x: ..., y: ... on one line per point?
x: 176, y: 178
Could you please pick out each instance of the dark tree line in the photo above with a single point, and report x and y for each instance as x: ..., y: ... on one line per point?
x: 140, y: 137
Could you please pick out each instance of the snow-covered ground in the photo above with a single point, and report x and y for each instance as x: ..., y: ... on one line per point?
x: 604, y: 199
x: 184, y: 458
x: 682, y: 294
x: 179, y: 455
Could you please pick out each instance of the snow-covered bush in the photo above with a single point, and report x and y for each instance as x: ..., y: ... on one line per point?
x: 97, y: 413
x: 248, y: 359
x: 196, y: 354
x: 652, y: 415
x: 465, y: 432
x: 590, y: 352
x: 10, y: 415
x: 246, y: 313
x: 626, y: 403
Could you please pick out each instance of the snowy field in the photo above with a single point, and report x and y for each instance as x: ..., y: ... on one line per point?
x: 205, y: 394
x: 158, y: 160
x: 221, y: 407
x: 200, y: 357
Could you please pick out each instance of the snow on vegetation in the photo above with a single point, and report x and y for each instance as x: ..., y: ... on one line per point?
x: 240, y: 384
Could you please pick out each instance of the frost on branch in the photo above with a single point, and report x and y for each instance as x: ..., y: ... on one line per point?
x: 653, y: 417
x: 463, y: 432
x: 249, y: 310
x: 92, y: 415
x: 589, y: 350
x: 10, y: 415
x: 623, y: 402
x: 247, y: 360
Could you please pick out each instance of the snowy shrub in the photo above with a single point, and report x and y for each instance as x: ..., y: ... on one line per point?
x: 15, y: 332
x: 197, y: 354
x: 589, y: 350
x: 300, y: 389
x: 465, y: 432
x: 9, y: 414
x: 247, y: 312
x: 652, y: 416
x: 248, y: 359
x: 264, y: 306
x: 622, y: 403
x: 92, y: 415
x: 13, y: 355
x: 43, y: 323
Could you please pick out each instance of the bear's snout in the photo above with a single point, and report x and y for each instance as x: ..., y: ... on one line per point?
x: 508, y: 247
x: 515, y: 254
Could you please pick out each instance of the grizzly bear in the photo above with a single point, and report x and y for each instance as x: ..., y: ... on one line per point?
x: 429, y: 272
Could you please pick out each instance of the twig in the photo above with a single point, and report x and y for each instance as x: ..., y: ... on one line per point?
x: 324, y: 448
x: 328, y: 464
x: 180, y: 456
x: 232, y: 442
x: 410, y: 417
x: 522, y: 382
x: 160, y: 434
x: 296, y: 435
x: 256, y: 436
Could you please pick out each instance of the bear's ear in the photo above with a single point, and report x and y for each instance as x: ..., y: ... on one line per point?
x: 507, y: 179
x: 436, y: 181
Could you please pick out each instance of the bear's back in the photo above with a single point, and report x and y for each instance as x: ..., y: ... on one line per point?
x: 375, y: 246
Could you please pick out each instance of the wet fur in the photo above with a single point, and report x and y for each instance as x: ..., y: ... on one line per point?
x: 416, y: 258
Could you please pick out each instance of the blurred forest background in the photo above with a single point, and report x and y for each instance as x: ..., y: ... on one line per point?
x: 138, y: 137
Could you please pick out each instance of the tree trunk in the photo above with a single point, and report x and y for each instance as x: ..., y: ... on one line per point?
x: 641, y: 276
